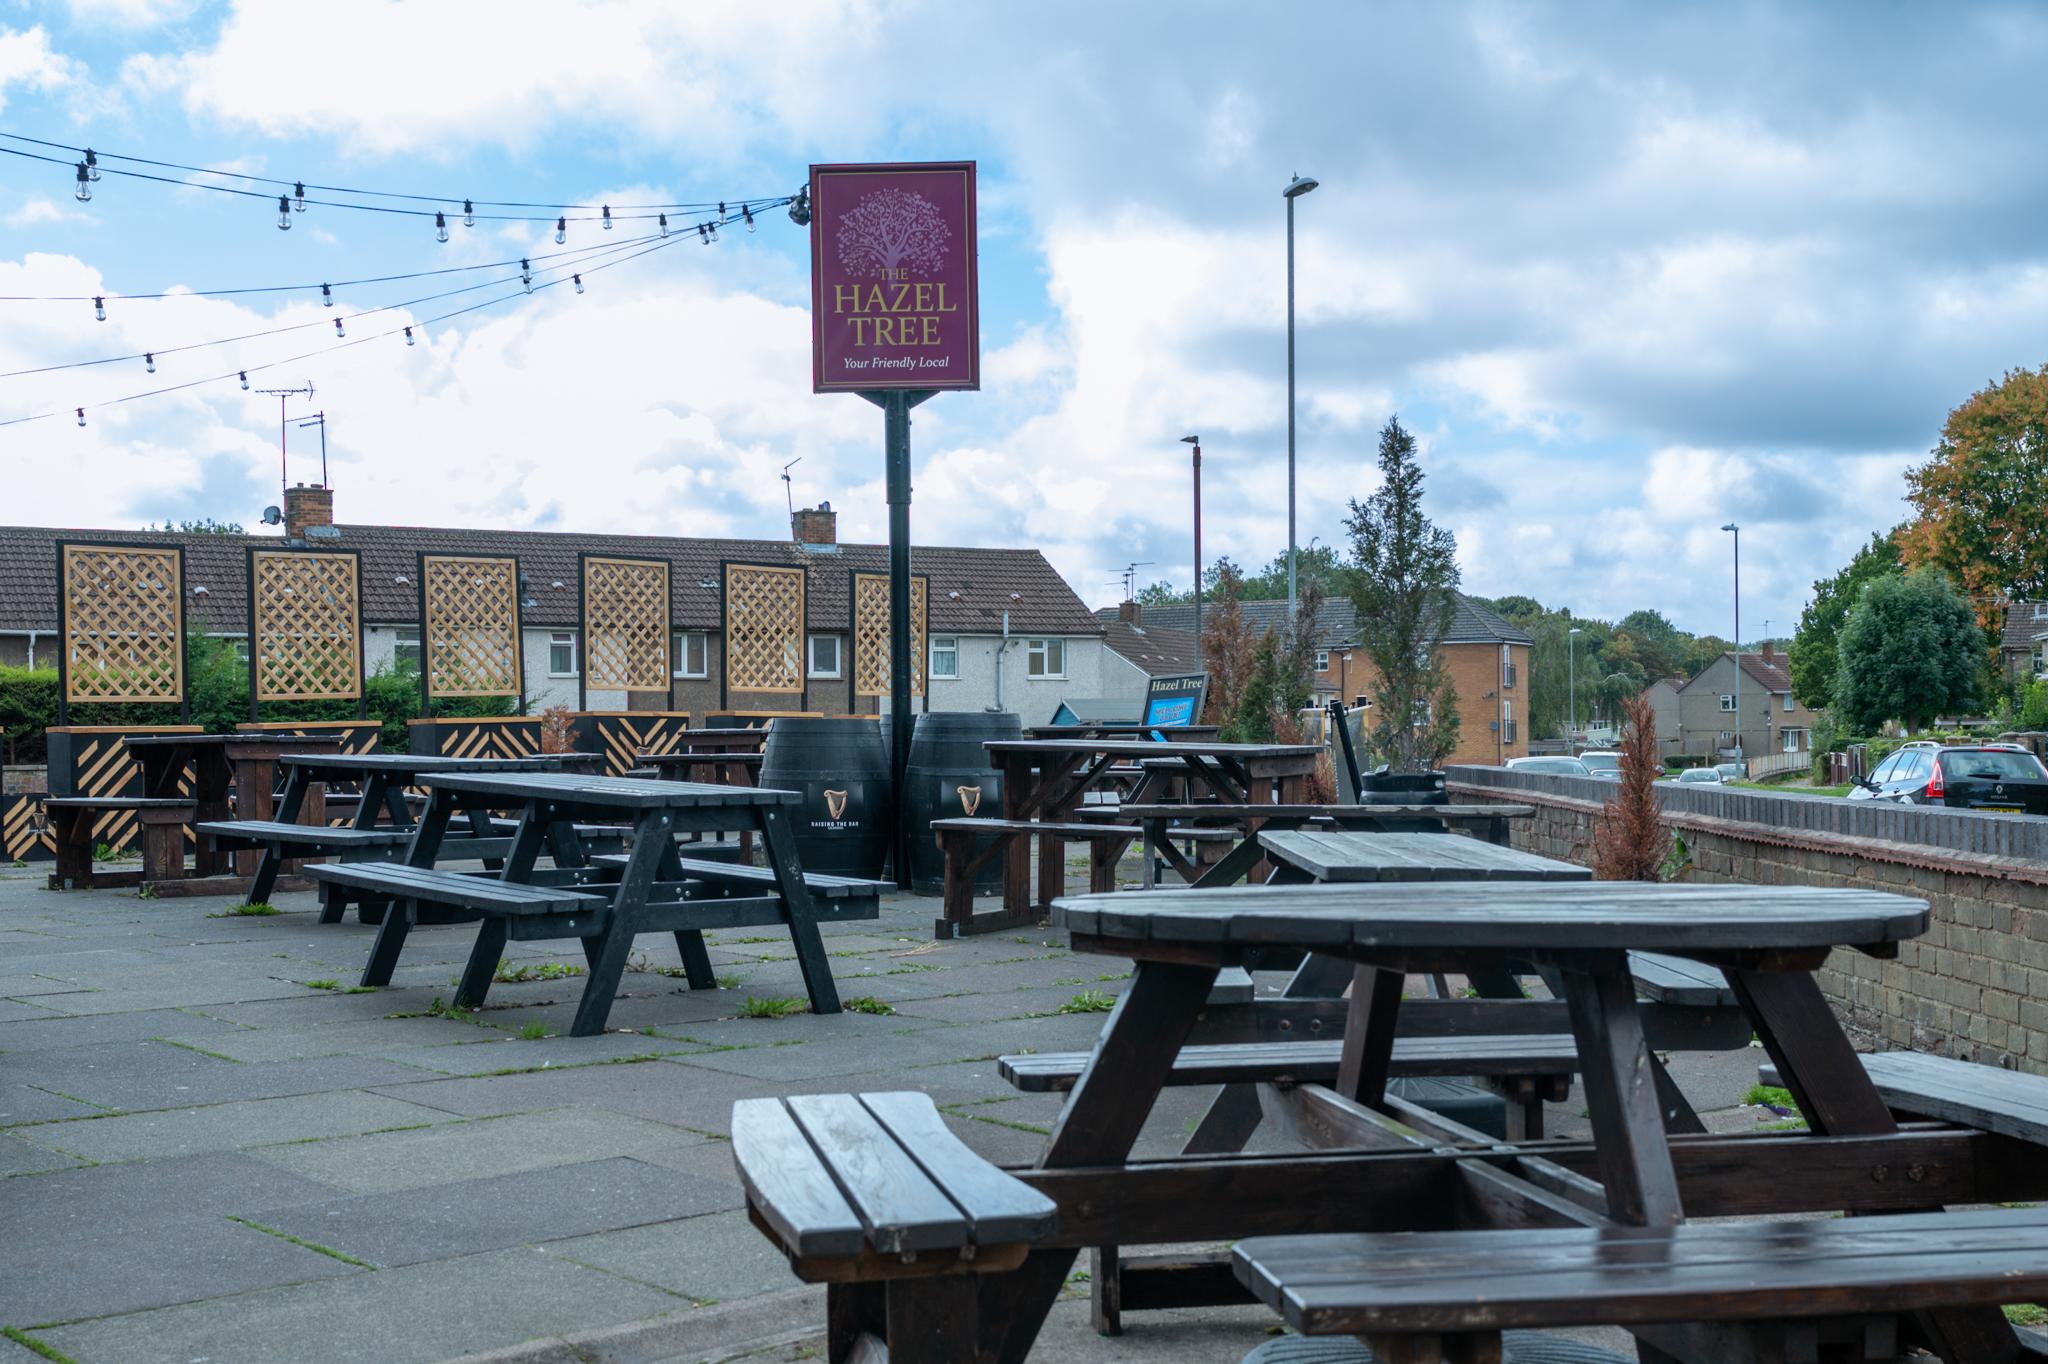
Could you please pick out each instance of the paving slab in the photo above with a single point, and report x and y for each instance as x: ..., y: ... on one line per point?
x: 48, y: 1029
x: 473, y: 1149
x: 300, y: 1040
x: 494, y: 1052
x: 26, y: 1103
x: 397, y: 1316
x: 711, y: 1258
x: 227, y: 1126
x: 223, y: 1081
x: 86, y: 1201
x: 19, y: 1157
x: 466, y: 1216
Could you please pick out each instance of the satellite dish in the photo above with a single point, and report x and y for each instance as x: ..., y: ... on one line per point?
x: 271, y: 516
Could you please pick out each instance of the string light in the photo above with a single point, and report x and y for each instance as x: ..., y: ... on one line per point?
x: 81, y: 416
x: 337, y: 328
x: 84, y: 190
x: 800, y: 208
x: 712, y: 229
x: 702, y: 238
x: 526, y: 274
x: 748, y: 214
x: 326, y: 296
x: 299, y: 195
x: 284, y: 214
x: 579, y: 282
x: 149, y: 361
x: 99, y: 308
x: 561, y: 231
x: 664, y: 224
x: 408, y: 336
x: 468, y: 214
x: 244, y: 376
x: 607, y: 217
x: 440, y: 227
x: 92, y: 165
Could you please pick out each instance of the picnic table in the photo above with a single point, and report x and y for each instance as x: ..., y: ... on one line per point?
x: 242, y: 763
x: 1250, y: 821
x: 1543, y: 1235
x: 1044, y: 781
x: 608, y: 900
x: 1122, y: 729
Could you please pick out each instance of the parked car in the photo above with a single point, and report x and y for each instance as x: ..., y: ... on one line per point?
x: 1969, y: 776
x: 1700, y: 776
x: 1602, y: 762
x: 1562, y: 767
x: 1731, y: 771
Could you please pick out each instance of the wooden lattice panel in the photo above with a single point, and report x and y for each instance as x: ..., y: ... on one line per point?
x: 625, y: 625
x: 764, y: 629
x: 871, y: 634
x: 307, y: 610
x: 469, y: 625
x: 124, y: 623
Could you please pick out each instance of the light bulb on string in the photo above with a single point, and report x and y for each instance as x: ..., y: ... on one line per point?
x: 748, y: 214
x: 299, y: 196
x: 561, y: 230
x: 800, y: 208
x: 149, y: 362
x: 408, y: 337
x: 337, y: 328
x: 702, y: 239
x: 326, y: 296
x: 92, y: 165
x: 579, y: 282
x: 721, y: 210
x: 99, y: 308
x: 81, y: 416
x: 526, y: 274
x: 284, y: 214
x: 607, y: 217
x: 440, y: 227
x: 468, y: 214
x: 662, y: 219
x: 243, y: 375
x: 84, y: 190
x: 714, y: 231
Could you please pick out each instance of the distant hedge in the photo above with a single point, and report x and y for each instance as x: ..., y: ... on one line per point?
x: 28, y: 706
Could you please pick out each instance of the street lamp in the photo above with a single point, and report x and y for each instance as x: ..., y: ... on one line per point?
x: 1196, y: 442
x: 1571, y: 653
x: 1298, y: 186
x: 1736, y: 531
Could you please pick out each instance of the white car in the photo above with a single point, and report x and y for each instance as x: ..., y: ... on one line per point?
x: 1700, y: 776
x: 1602, y: 763
x: 1555, y: 766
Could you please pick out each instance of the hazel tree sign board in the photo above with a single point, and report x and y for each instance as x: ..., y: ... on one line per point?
x: 121, y: 612
x: 305, y: 626
x: 869, y: 595
x: 894, y: 288
x: 469, y: 626
x: 626, y: 609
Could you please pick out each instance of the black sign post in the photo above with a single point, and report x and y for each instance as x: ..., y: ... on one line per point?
x: 896, y: 404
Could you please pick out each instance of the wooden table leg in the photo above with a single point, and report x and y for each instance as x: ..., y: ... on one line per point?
x: 270, y: 861
x: 653, y: 843
x: 1614, y: 1065
x: 1816, y: 1062
x: 1369, y: 1025
x: 778, y: 845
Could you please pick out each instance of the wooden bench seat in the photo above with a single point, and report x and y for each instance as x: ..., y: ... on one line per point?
x: 971, y: 844
x: 1915, y: 1084
x: 757, y: 879
x: 1462, y: 1286
x: 1510, y: 1055
x: 838, y: 1180
x: 77, y: 821
x: 260, y: 833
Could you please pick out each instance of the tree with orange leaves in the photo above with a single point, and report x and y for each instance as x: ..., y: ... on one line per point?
x: 1982, y: 498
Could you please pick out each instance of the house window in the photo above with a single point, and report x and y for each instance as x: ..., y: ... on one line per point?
x: 1508, y: 729
x: 1792, y: 738
x: 1507, y: 675
x: 824, y: 655
x: 1322, y: 660
x: 1045, y: 658
x: 1788, y: 700
x: 693, y: 654
x: 405, y: 649
x: 1727, y: 701
x: 945, y: 660
x: 562, y: 655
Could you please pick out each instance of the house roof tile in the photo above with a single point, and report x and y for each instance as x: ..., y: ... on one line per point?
x: 1156, y: 650
x: 2026, y: 622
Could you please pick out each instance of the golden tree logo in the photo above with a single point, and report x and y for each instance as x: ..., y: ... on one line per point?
x: 892, y: 230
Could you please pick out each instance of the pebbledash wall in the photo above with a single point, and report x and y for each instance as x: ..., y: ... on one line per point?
x: 1974, y: 986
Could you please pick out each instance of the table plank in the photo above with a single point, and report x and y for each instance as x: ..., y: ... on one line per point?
x: 1150, y: 748
x: 1343, y: 855
x: 627, y: 793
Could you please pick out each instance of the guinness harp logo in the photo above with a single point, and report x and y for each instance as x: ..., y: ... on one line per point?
x: 835, y: 803
x: 970, y: 798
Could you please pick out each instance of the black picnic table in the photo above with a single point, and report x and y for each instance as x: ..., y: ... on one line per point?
x: 243, y: 762
x: 607, y: 902
x: 1251, y: 821
x: 1602, y: 1222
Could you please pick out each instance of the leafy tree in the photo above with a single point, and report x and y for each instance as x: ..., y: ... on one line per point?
x: 1228, y: 646
x: 1404, y: 589
x: 1980, y: 497
x: 205, y: 525
x: 2033, y: 711
x: 1164, y: 594
x: 1251, y: 720
x: 1518, y: 609
x: 1699, y: 651
x: 1270, y: 583
x: 1812, y: 660
x: 1909, y: 651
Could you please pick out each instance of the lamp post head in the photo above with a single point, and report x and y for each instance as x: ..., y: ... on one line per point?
x: 1190, y: 440
x: 1731, y: 526
x: 1298, y: 186
x: 1576, y: 630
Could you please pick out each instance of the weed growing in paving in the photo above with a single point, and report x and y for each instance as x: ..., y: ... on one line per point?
x: 252, y: 908
x: 322, y: 984
x: 771, y: 1008
x: 451, y: 1011
x: 1088, y: 1002
x: 868, y: 1004
x: 147, y: 892
x: 726, y: 982
x: 509, y: 973
x: 34, y: 1346
x: 313, y: 1246
x: 533, y: 1032
x: 1778, y: 1100
x: 2026, y: 1313
x: 360, y: 990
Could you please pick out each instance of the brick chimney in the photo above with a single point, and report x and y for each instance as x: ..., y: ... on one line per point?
x: 1129, y: 612
x: 306, y: 504
x: 1767, y: 651
x: 817, y: 525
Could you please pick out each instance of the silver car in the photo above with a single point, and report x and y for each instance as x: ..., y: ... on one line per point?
x: 1602, y: 763
x: 1700, y: 776
x: 1556, y: 766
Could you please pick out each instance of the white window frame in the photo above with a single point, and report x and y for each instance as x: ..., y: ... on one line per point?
x: 948, y: 645
x: 682, y: 642
x: 560, y: 639
x: 400, y: 644
x: 811, y: 643
x: 1038, y: 659
x: 1727, y: 703
x: 1788, y: 701
x: 1322, y: 660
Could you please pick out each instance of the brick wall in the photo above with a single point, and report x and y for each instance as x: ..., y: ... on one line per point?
x: 1974, y: 986
x: 1475, y: 672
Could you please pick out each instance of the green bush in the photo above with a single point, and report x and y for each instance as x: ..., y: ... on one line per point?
x: 28, y: 706
x: 2033, y: 712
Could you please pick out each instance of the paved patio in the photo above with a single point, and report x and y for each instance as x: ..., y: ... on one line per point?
x: 211, y: 1149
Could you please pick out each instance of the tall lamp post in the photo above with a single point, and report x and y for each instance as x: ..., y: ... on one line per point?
x: 1571, y: 655
x: 1736, y: 531
x: 1298, y: 186
x: 1196, y: 442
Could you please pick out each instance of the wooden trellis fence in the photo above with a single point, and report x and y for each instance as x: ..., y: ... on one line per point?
x: 305, y: 627
x: 121, y: 622
x: 868, y: 608
x: 626, y: 625
x: 764, y: 631
x: 470, y: 642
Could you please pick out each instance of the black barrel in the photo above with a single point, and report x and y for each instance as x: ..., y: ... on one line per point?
x: 841, y: 769
x: 1403, y: 788
x: 950, y: 776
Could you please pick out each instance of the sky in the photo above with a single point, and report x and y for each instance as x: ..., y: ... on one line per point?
x: 1629, y: 273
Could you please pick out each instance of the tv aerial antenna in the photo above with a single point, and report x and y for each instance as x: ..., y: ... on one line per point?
x: 789, y: 488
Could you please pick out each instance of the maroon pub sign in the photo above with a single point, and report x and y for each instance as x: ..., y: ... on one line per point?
x: 893, y: 286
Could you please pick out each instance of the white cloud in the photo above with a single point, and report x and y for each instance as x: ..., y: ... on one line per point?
x: 36, y: 210
x: 27, y: 61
